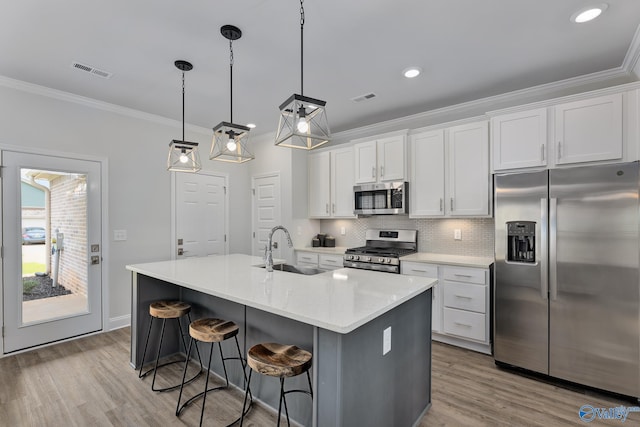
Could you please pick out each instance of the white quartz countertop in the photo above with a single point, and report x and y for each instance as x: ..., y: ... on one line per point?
x: 338, y: 250
x: 339, y: 300
x: 458, y: 260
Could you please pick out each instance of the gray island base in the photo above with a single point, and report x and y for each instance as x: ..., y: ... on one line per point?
x: 340, y: 316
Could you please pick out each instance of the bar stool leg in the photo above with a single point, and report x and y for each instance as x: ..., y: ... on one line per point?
x: 206, y: 384
x: 155, y: 368
x: 246, y: 393
x: 310, y: 386
x: 146, y: 344
x: 184, y: 375
x: 224, y: 365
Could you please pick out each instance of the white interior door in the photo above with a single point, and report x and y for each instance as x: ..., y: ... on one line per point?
x: 201, y: 215
x: 266, y: 213
x: 48, y: 297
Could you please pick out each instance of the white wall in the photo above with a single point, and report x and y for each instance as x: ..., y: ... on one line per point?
x: 138, y: 183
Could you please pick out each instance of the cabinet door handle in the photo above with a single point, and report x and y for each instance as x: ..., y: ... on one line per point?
x: 462, y: 275
x: 542, y: 152
x: 333, y: 206
x: 333, y: 261
x: 463, y: 296
x: 452, y: 204
x: 441, y: 204
x: 373, y: 171
x: 327, y: 207
x: 466, y: 325
x: 419, y: 271
x: 559, y: 149
x: 381, y: 170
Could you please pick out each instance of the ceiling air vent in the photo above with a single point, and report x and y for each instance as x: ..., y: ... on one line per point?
x: 91, y: 70
x: 365, y: 97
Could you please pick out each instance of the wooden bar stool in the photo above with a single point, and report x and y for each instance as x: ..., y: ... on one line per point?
x: 278, y: 360
x: 167, y: 310
x: 213, y: 331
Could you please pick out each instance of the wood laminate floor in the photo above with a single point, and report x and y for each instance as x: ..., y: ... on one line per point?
x: 88, y: 382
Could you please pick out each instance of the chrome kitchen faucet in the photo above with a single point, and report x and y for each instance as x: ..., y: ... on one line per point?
x: 268, y: 252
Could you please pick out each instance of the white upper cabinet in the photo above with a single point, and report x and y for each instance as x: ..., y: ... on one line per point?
x: 426, y: 188
x: 380, y: 160
x: 342, y: 180
x: 331, y: 184
x: 589, y: 130
x: 469, y: 178
x: 450, y: 172
x: 319, y: 165
x: 519, y: 140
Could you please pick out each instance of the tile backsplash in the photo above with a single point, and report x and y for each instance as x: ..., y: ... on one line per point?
x: 434, y: 235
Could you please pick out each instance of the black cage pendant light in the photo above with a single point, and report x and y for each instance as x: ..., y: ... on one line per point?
x: 303, y: 120
x: 230, y: 141
x: 183, y: 155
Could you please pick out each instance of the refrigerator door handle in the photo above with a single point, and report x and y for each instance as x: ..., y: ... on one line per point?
x: 544, y: 259
x: 553, y: 226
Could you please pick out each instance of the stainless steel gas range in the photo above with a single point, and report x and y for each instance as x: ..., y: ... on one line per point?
x: 383, y: 250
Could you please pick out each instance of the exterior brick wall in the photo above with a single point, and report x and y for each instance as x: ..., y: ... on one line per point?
x: 69, y: 216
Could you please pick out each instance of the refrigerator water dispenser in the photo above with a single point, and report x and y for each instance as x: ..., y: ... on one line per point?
x: 521, y: 241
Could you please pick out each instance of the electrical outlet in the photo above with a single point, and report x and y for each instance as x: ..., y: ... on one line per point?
x: 457, y: 234
x: 386, y: 341
x: 119, y: 235
x: 343, y: 231
x: 299, y: 231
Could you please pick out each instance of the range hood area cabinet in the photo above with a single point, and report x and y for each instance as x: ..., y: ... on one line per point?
x: 381, y: 159
x: 569, y: 133
x: 449, y: 172
x: 331, y: 180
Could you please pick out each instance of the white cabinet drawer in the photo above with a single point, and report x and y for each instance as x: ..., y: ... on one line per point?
x: 464, y: 296
x: 419, y: 269
x: 465, y: 324
x: 307, y: 258
x: 464, y: 274
x: 330, y: 262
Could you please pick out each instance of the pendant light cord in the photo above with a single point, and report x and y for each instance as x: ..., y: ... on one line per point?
x: 182, y: 105
x: 231, y: 78
x: 301, y: 47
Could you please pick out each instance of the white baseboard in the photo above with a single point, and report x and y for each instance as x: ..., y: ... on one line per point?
x: 119, y: 322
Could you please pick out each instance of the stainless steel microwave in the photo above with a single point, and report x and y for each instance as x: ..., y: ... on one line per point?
x: 388, y: 198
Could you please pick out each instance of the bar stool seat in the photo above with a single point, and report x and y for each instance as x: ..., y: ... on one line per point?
x: 211, y: 330
x: 167, y: 310
x: 282, y: 361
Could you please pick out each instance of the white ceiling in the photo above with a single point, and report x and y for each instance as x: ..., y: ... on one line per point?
x: 468, y: 49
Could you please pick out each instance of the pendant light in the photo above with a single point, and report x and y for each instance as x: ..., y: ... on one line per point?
x: 303, y: 120
x: 183, y: 155
x: 230, y: 141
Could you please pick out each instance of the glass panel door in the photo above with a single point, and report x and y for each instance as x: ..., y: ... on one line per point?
x: 51, y: 236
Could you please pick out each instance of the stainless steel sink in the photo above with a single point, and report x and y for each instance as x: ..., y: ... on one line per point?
x: 308, y: 271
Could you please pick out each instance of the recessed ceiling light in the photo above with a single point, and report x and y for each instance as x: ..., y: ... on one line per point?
x: 411, y: 72
x: 588, y: 13
x: 251, y: 125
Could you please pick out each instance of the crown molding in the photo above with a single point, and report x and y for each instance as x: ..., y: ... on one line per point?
x: 631, y: 61
x: 98, y: 105
x: 545, y: 90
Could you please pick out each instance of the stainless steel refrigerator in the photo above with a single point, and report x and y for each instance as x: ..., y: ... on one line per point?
x: 567, y: 282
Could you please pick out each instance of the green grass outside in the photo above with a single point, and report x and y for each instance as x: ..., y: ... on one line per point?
x: 33, y: 267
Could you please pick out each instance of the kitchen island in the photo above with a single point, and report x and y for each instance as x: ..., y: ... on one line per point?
x: 340, y: 316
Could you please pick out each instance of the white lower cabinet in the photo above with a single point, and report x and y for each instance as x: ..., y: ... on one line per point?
x: 322, y: 261
x: 427, y: 270
x: 461, y: 304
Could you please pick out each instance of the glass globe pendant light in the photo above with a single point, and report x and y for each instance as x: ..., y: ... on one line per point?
x: 230, y: 141
x: 183, y: 155
x: 303, y: 120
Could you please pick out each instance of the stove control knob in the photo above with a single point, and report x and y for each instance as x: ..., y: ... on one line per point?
x: 388, y: 260
x: 381, y: 260
x: 366, y: 258
x: 355, y: 257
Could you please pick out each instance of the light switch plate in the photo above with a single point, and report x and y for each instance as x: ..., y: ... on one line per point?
x: 457, y: 234
x: 386, y: 341
x: 343, y: 231
x: 119, y: 235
